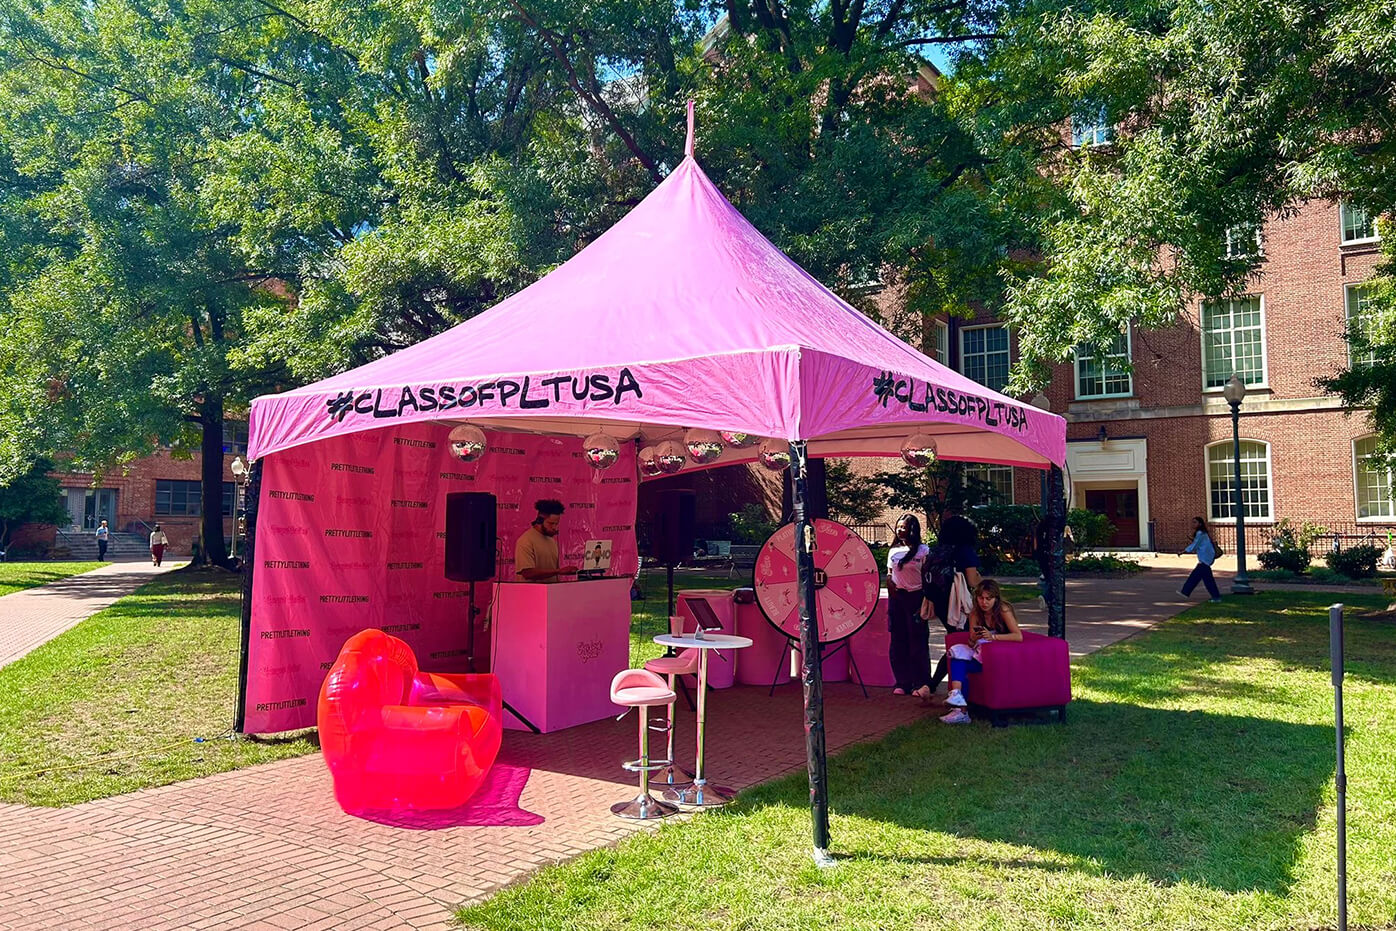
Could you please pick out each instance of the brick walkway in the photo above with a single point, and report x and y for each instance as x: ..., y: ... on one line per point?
x: 267, y: 847
x: 37, y: 615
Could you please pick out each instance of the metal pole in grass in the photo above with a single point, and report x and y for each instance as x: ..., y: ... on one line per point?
x: 1335, y: 648
x: 251, y: 494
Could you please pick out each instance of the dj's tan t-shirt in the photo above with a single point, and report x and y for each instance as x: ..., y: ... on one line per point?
x: 536, y: 550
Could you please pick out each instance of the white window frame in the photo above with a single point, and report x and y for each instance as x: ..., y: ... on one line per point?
x: 989, y: 467
x: 1357, y: 488
x: 1091, y: 130
x: 986, y: 326
x: 1343, y: 227
x: 1235, y: 240
x: 1348, y: 290
x: 1129, y: 358
x: 942, y: 342
x: 1231, y: 473
x: 1264, y: 382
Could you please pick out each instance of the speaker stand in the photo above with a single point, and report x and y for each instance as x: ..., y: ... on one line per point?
x: 470, y: 659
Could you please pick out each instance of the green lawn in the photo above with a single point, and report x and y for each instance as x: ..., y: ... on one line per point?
x: 17, y: 576
x: 1191, y: 788
x: 116, y: 703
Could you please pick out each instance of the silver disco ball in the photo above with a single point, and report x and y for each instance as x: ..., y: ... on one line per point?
x: 736, y: 439
x: 703, y: 446
x: 919, y: 450
x: 467, y: 442
x: 649, y: 461
x: 600, y: 451
x: 774, y: 454
x: 670, y: 456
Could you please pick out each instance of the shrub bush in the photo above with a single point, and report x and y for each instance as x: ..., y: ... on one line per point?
x: 1289, y: 546
x: 1355, y: 562
x: 1089, y: 530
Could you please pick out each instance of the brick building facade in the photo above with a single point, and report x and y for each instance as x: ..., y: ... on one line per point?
x: 133, y: 498
x: 1151, y: 447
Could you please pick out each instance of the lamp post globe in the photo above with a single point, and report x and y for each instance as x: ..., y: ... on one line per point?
x: 1235, y: 393
x: 239, y: 470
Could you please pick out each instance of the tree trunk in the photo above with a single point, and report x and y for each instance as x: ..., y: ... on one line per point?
x: 213, y: 550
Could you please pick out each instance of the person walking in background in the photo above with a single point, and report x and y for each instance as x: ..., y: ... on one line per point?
x: 158, y: 542
x: 1207, y: 553
x: 908, y: 650
x: 103, y: 537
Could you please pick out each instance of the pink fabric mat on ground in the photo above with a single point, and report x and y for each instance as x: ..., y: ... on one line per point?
x: 495, y: 805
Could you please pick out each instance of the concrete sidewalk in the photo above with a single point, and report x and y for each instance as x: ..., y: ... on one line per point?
x: 37, y: 615
x: 268, y: 848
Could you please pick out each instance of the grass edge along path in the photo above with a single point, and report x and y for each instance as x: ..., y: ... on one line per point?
x: 1191, y: 788
x: 19, y: 576
x: 132, y: 697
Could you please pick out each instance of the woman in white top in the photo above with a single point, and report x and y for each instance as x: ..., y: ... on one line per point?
x: 158, y: 542
x: 908, y: 649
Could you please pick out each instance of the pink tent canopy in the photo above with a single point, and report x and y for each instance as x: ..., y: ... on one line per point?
x: 681, y: 315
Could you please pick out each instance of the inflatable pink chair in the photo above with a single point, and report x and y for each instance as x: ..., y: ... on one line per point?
x: 397, y: 738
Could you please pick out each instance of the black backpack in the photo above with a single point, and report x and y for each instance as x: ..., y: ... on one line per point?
x: 938, y: 571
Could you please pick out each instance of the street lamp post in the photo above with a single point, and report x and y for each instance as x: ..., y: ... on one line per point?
x: 239, y: 470
x: 1235, y: 392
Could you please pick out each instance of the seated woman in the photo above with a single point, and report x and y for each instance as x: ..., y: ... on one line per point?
x: 991, y: 619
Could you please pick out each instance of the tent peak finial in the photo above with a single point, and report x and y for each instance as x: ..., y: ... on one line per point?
x: 688, y: 145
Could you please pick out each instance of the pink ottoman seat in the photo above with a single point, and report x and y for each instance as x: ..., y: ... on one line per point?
x: 1034, y: 675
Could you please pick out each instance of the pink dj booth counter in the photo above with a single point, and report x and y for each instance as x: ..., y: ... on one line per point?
x: 556, y: 647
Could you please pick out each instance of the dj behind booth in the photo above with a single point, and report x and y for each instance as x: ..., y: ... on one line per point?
x: 556, y: 639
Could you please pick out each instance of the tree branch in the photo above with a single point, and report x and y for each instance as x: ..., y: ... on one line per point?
x: 593, y: 100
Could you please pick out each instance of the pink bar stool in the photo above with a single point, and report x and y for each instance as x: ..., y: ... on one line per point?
x: 684, y: 664
x: 638, y: 688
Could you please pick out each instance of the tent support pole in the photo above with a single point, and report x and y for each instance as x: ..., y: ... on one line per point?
x: 812, y: 673
x: 251, y: 497
x: 1054, y: 508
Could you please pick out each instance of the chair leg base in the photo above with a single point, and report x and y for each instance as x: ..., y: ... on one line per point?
x: 671, y: 777
x: 644, y: 807
x: 701, y: 795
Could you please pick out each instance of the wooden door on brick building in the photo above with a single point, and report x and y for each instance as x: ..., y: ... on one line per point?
x: 1121, y: 505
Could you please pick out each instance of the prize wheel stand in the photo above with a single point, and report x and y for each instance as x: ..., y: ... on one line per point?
x: 846, y: 588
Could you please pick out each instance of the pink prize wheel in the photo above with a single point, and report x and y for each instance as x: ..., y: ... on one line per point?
x: 846, y: 586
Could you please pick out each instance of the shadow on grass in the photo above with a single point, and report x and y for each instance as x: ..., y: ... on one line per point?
x: 1176, y: 796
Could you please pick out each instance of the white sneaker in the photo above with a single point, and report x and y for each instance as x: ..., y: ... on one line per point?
x: 955, y: 699
x: 958, y: 716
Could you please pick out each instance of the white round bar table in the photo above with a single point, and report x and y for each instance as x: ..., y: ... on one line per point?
x: 700, y: 793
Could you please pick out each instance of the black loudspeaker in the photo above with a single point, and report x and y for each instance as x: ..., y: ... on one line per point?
x: 470, y: 533
x: 674, y: 518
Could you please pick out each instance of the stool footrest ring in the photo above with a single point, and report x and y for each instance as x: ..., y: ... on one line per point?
x: 636, y: 766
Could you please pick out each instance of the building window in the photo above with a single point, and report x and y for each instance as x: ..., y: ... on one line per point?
x: 1243, y: 241
x: 1233, y: 340
x: 1091, y: 128
x: 1104, y: 375
x: 234, y: 438
x: 942, y: 341
x: 1357, y: 224
x: 183, y: 499
x: 998, y: 477
x: 1255, y: 480
x: 984, y: 355
x: 1373, y: 484
x: 1361, y: 302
